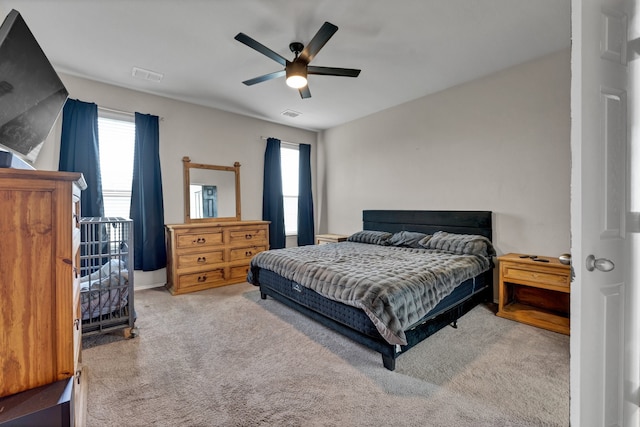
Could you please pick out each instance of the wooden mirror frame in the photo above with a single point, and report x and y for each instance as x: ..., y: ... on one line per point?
x: 187, y: 166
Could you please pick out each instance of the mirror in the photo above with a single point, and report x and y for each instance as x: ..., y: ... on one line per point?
x: 211, y: 192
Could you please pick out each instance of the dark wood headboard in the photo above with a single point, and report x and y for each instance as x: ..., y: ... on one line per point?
x: 463, y: 222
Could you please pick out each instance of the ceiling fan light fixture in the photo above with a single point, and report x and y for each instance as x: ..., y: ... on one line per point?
x: 296, y: 75
x: 296, y: 71
x: 296, y: 82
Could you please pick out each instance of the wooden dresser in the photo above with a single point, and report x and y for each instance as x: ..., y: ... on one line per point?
x: 206, y: 255
x: 39, y: 286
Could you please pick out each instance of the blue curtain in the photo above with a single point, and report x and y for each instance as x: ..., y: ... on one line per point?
x: 80, y: 152
x: 306, y: 235
x: 272, y: 202
x: 147, y: 208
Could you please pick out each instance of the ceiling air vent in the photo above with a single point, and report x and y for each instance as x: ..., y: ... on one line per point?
x: 141, y: 73
x: 290, y: 113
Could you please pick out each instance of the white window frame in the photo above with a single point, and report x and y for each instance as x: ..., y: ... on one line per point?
x: 290, y: 192
x: 111, y: 194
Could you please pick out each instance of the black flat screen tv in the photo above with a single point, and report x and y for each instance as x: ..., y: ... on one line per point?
x: 31, y: 93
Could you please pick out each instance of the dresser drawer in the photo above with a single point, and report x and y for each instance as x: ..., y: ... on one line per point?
x: 248, y: 236
x: 201, y: 259
x: 198, y: 240
x: 550, y: 277
x: 75, y: 213
x: 206, y: 278
x: 77, y: 323
x: 239, y: 272
x: 245, y: 253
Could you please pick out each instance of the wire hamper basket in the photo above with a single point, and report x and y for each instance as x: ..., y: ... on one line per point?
x: 106, y: 276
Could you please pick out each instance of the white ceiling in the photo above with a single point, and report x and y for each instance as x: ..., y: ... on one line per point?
x: 406, y: 49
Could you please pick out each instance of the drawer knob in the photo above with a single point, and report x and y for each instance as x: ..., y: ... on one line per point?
x: 601, y: 264
x: 202, y: 259
x: 202, y: 278
x: 200, y: 240
x: 248, y: 253
x: 248, y: 236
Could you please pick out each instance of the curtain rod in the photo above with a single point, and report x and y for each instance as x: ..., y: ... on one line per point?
x: 128, y: 113
x: 264, y: 138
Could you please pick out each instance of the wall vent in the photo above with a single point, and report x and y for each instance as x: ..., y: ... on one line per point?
x: 290, y: 113
x: 141, y: 73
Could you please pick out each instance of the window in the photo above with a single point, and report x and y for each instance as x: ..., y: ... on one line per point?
x: 289, y: 158
x: 116, y: 135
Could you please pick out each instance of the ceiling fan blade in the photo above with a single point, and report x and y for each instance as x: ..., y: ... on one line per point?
x: 304, y: 92
x: 243, y: 38
x: 332, y: 71
x: 264, y: 78
x: 320, y: 39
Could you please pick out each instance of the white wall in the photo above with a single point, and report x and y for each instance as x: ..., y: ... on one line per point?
x: 206, y: 135
x: 500, y: 143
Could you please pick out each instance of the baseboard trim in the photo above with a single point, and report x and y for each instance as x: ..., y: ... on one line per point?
x: 148, y: 286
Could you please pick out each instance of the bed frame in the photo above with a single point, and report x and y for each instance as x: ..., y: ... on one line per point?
x: 353, y: 322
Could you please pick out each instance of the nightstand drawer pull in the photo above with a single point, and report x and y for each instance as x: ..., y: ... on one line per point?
x: 202, y: 259
x: 202, y: 278
x: 200, y: 240
x: 248, y: 236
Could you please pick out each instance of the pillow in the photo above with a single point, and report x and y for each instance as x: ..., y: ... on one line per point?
x: 371, y: 237
x: 408, y: 239
x: 462, y: 244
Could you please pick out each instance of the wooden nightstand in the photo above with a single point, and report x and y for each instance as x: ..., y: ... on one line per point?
x: 321, y: 239
x: 534, y: 292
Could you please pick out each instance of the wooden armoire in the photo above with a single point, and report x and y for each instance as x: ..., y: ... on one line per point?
x: 40, y: 329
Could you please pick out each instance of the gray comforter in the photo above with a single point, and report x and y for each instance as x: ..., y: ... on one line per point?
x: 395, y: 286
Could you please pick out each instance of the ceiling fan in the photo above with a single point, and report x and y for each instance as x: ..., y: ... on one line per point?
x: 296, y: 71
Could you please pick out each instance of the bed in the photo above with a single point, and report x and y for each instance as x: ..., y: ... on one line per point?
x: 373, y: 287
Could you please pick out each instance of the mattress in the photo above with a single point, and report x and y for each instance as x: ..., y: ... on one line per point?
x: 395, y: 286
x: 354, y: 317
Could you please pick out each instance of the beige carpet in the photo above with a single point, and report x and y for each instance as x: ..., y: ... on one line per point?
x: 224, y: 357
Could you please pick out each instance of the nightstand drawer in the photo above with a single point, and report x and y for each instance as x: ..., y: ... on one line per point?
x: 536, y: 276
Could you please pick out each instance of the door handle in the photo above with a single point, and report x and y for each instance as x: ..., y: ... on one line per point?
x: 601, y: 264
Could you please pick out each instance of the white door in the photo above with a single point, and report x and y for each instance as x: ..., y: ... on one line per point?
x: 604, y: 335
